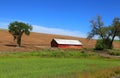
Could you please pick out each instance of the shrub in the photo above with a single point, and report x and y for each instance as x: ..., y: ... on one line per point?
x: 102, y: 44
x: 99, y: 45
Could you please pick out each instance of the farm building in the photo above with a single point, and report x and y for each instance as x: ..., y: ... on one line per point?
x: 64, y: 43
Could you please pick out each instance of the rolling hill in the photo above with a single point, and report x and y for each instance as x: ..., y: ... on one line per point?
x: 37, y: 41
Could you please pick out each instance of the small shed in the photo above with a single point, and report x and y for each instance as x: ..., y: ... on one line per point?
x: 65, y: 43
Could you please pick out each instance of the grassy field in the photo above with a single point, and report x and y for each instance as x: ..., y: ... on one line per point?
x: 56, y: 64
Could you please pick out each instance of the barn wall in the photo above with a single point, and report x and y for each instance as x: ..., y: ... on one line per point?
x: 54, y: 44
x: 70, y: 46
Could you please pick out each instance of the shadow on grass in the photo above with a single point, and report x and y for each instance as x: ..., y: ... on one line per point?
x: 13, y: 45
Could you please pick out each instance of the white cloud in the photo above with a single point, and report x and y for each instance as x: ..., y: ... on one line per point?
x: 42, y: 29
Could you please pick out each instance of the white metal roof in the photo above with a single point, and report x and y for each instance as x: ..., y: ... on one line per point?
x: 70, y: 42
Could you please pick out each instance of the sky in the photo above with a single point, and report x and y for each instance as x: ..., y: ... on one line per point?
x: 63, y: 17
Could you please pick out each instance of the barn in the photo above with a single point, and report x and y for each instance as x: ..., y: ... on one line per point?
x: 65, y: 43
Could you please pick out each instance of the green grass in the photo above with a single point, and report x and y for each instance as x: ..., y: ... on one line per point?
x: 116, y: 40
x: 51, y: 67
x: 115, y: 52
x: 53, y: 64
x: 51, y: 53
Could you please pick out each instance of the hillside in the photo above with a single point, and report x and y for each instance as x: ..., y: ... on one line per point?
x: 36, y: 41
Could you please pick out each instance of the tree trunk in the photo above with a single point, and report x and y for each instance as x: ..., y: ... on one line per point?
x: 19, y: 41
x: 113, y: 39
x: 111, y: 42
x: 110, y: 46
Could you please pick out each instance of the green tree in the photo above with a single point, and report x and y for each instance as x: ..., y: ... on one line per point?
x: 17, y: 29
x: 115, y: 29
x: 106, y: 33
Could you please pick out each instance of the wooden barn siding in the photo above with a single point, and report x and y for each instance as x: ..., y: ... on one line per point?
x: 70, y: 46
x: 54, y: 43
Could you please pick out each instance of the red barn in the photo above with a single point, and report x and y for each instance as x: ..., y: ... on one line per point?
x: 64, y: 43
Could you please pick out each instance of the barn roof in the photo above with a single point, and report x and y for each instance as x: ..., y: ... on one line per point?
x: 70, y: 42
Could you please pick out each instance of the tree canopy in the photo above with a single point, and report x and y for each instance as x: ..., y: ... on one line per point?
x: 17, y: 29
x: 106, y: 33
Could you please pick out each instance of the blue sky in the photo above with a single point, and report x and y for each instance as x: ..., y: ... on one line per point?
x: 65, y: 17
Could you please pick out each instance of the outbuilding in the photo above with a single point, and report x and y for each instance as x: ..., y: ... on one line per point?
x: 65, y: 43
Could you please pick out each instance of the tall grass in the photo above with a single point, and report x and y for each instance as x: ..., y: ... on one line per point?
x: 58, y: 53
x: 115, y: 52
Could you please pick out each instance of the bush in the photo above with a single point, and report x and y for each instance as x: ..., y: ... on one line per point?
x: 99, y: 45
x: 102, y: 44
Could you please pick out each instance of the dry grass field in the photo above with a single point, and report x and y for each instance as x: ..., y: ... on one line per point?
x: 37, y: 41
